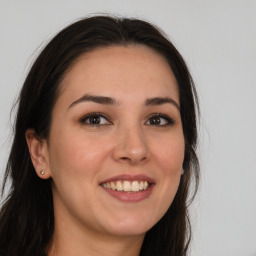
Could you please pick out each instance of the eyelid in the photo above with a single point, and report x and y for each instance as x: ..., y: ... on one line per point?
x: 169, y: 120
x: 91, y: 114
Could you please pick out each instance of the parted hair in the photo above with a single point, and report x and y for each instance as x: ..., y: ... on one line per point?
x: 26, y: 215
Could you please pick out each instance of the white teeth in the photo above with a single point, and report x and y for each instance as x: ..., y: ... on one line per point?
x: 135, y: 186
x: 127, y: 186
x: 112, y: 185
x: 119, y: 186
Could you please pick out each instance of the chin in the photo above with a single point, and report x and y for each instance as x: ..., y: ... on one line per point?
x: 130, y: 226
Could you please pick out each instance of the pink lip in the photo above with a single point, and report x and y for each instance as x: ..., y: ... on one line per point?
x: 130, y: 196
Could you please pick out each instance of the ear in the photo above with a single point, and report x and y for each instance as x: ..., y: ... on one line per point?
x: 38, y: 150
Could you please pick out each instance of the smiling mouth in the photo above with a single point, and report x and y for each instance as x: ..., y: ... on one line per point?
x: 126, y: 186
x: 129, y: 188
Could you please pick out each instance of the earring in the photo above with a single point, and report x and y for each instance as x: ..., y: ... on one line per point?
x: 182, y: 171
x: 42, y: 172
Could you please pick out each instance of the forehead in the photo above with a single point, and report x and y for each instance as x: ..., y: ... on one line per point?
x: 120, y: 71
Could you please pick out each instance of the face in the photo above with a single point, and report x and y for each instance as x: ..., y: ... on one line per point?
x: 116, y: 145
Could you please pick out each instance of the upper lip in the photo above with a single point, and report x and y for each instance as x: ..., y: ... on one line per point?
x: 128, y: 177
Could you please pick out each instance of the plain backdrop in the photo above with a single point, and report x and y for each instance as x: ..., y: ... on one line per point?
x: 218, y: 40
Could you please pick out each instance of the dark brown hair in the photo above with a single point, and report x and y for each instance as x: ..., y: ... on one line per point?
x: 26, y: 217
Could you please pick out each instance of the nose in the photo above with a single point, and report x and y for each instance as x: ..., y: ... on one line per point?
x: 131, y: 147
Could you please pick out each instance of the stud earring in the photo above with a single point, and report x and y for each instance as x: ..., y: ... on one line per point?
x: 42, y: 172
x: 182, y: 172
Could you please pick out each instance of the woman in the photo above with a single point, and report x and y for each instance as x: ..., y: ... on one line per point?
x: 104, y: 146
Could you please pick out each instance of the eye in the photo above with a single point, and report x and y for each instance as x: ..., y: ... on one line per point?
x: 160, y: 120
x: 95, y: 119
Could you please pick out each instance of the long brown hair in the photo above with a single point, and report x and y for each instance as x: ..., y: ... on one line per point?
x: 26, y: 217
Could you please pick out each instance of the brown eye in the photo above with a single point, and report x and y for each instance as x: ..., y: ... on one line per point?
x: 94, y: 119
x: 160, y: 120
x: 155, y: 121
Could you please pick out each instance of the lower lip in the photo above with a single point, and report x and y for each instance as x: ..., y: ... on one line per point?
x: 130, y: 196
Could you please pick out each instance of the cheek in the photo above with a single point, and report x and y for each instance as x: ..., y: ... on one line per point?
x: 75, y: 162
x: 170, y: 154
x: 170, y: 160
x: 74, y: 155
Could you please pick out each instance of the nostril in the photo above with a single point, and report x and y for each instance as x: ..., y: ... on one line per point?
x: 133, y: 160
x: 125, y: 158
x: 144, y: 158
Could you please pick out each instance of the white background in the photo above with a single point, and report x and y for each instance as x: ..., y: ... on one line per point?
x: 218, y: 40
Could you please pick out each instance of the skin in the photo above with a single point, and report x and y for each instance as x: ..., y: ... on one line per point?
x: 78, y: 156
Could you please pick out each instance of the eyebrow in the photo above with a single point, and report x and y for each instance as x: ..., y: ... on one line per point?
x: 93, y: 98
x: 160, y: 101
x: 111, y: 101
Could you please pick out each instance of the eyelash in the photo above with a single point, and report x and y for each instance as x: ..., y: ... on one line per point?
x: 169, y: 120
x: 86, y: 119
